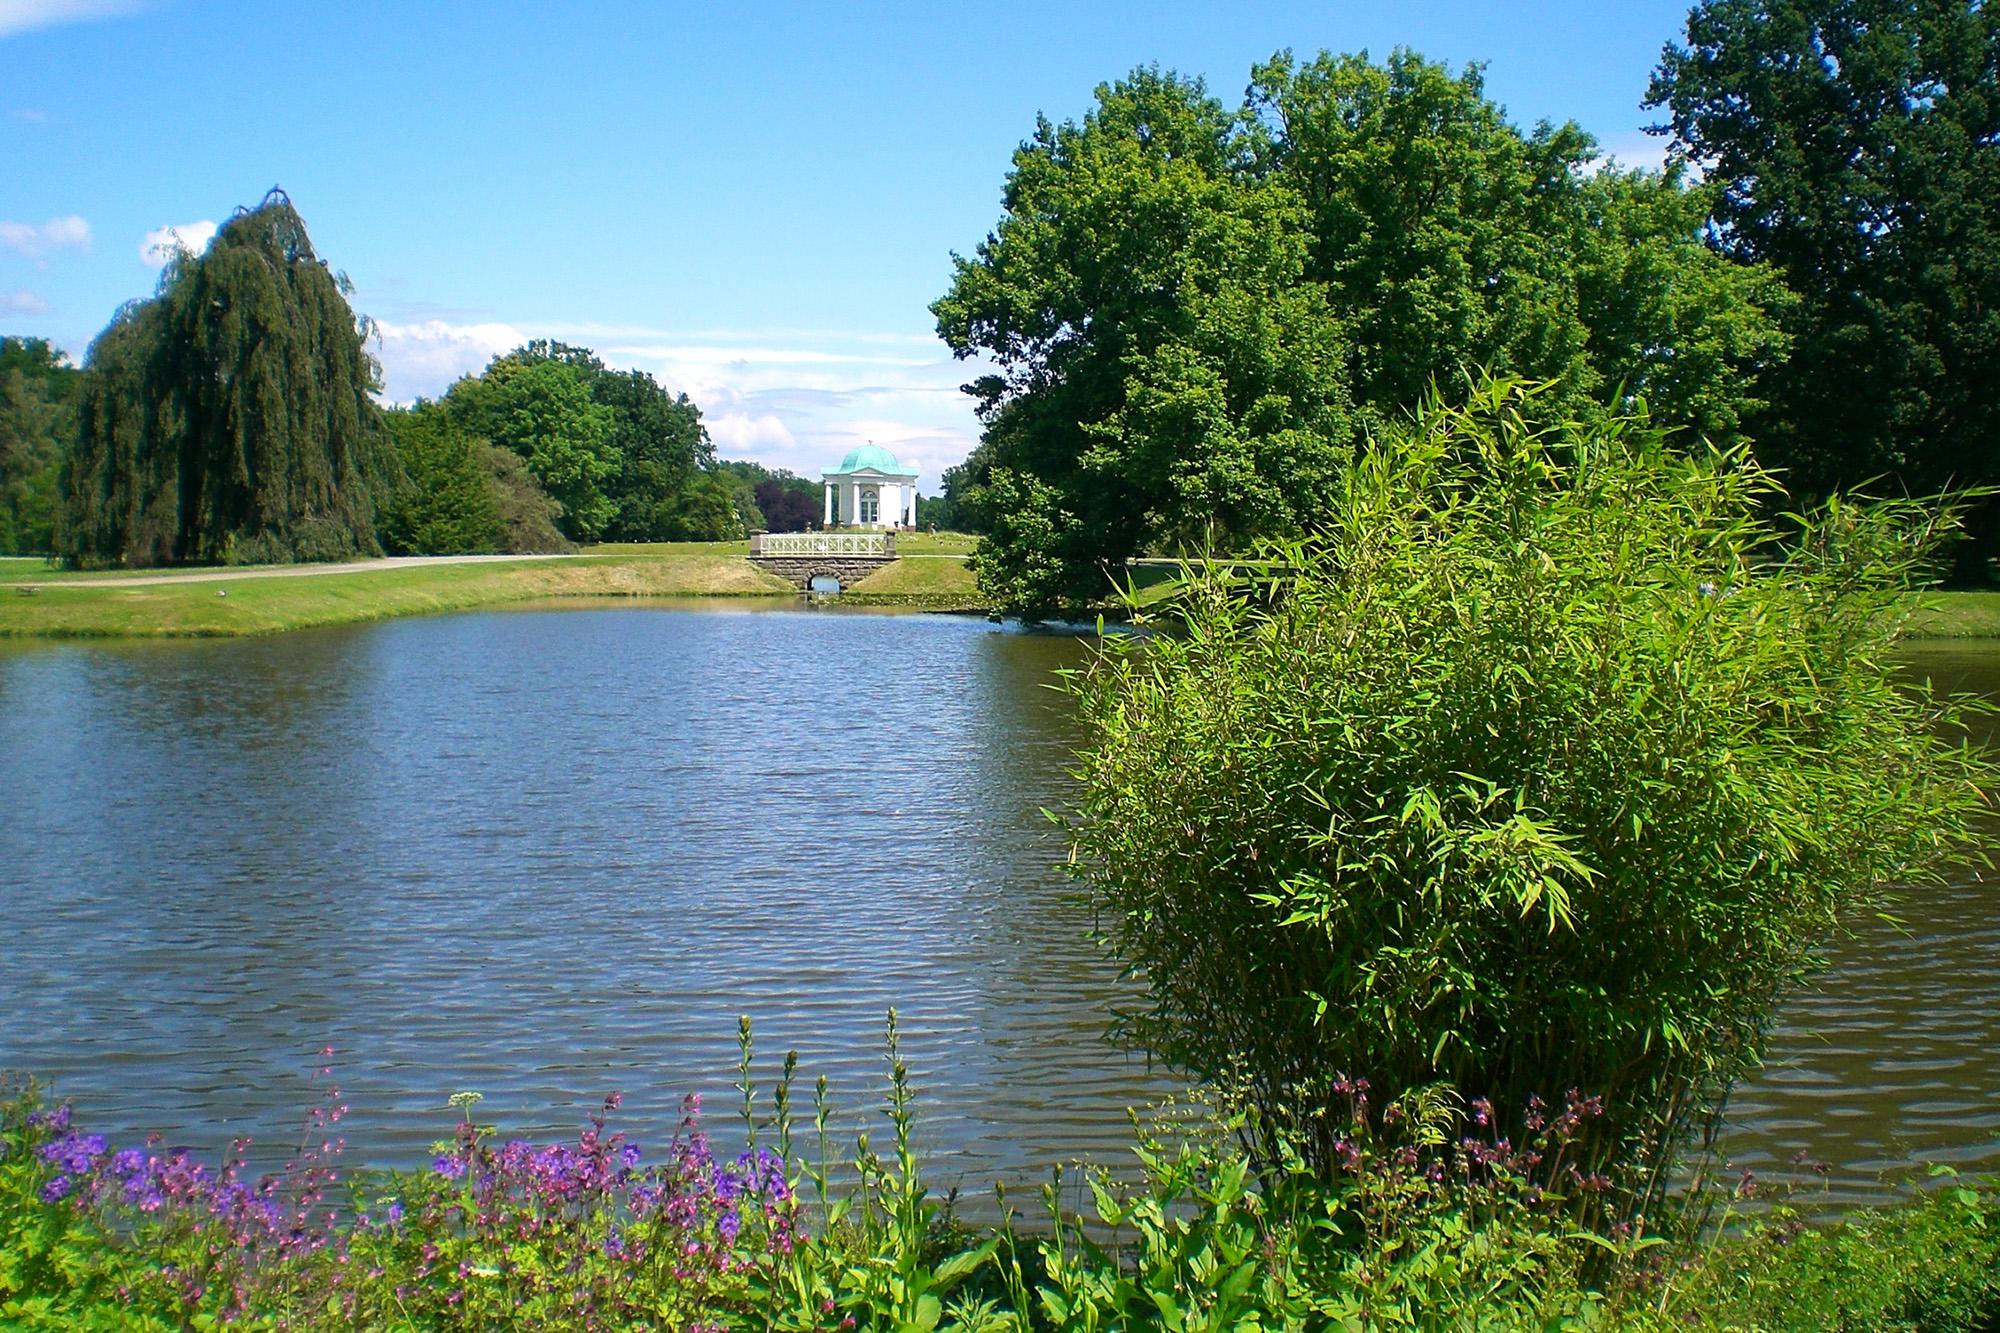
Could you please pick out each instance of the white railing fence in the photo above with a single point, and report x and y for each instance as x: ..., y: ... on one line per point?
x: 823, y: 543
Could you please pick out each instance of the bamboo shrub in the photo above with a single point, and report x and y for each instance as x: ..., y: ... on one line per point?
x: 1549, y: 762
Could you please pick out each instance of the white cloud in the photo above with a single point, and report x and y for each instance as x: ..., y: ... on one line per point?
x: 738, y: 434
x: 161, y: 243
x: 27, y: 15
x: 66, y: 233
x: 781, y: 356
x: 22, y: 302
x: 790, y: 398
x: 1637, y: 149
x: 422, y: 359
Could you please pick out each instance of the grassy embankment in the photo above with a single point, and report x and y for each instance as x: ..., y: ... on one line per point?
x: 1957, y: 615
x: 58, y: 607
x: 38, y: 601
x: 932, y: 575
x: 935, y: 580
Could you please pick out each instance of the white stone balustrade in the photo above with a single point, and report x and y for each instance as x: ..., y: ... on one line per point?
x: 824, y: 543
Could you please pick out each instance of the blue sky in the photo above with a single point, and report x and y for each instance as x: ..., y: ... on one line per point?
x: 755, y: 203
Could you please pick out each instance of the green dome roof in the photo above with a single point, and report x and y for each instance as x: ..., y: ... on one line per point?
x: 870, y: 456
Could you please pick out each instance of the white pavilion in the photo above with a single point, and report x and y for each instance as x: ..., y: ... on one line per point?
x: 870, y: 489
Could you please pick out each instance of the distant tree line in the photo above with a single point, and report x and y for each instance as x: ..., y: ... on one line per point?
x: 1196, y: 312
x: 232, y: 418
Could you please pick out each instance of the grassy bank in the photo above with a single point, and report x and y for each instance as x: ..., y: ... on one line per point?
x: 58, y: 607
x: 1957, y: 615
x: 37, y: 600
x: 937, y: 581
x: 933, y: 575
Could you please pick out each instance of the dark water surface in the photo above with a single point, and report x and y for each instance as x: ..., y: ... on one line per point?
x: 551, y: 854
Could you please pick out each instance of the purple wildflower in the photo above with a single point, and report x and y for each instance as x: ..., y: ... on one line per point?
x: 55, y: 1121
x: 73, y: 1152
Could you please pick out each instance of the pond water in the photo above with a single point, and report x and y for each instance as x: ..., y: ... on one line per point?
x: 550, y: 854
x: 1890, y: 1060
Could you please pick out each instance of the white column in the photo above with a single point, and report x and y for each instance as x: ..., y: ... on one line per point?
x: 850, y: 503
x: 913, y: 502
x: 826, y: 487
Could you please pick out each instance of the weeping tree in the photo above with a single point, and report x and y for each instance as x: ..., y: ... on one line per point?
x: 228, y: 419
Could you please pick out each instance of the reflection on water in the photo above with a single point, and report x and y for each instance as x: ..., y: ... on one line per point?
x: 548, y: 855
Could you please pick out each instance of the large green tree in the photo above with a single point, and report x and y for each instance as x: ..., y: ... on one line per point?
x: 37, y: 420
x: 1448, y: 239
x: 657, y: 436
x: 541, y: 408
x: 1164, y: 368
x: 1854, y: 145
x: 646, y: 448
x: 1194, y: 311
x: 229, y: 418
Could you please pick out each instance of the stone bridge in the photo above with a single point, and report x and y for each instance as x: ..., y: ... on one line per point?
x: 801, y: 557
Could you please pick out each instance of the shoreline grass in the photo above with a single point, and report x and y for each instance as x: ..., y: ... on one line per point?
x: 932, y: 581
x: 229, y: 602
x: 38, y: 600
x: 263, y: 605
x: 1955, y: 615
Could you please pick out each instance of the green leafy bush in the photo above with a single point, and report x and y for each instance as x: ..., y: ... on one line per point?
x: 1548, y: 766
x: 1931, y: 1265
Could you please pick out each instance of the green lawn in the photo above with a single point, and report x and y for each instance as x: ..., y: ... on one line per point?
x: 1956, y: 615
x: 14, y: 568
x: 943, y: 543
x: 933, y: 576
x: 268, y: 605
x: 930, y: 572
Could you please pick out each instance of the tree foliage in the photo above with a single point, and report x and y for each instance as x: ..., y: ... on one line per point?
x: 789, y: 503
x: 716, y: 507
x: 657, y: 437
x: 37, y: 421
x: 1854, y: 146
x: 229, y: 418
x: 1163, y: 365
x: 615, y: 449
x: 447, y: 505
x: 1196, y: 312
x: 772, y: 499
x: 954, y: 507
x: 1448, y: 240
x: 541, y: 408
x: 1548, y: 765
x: 528, y: 517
